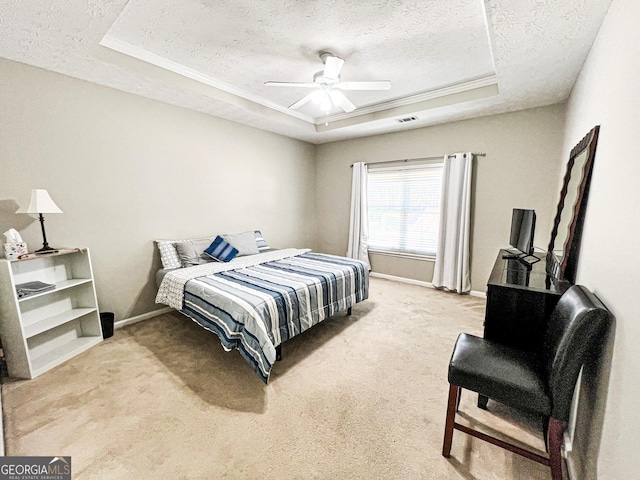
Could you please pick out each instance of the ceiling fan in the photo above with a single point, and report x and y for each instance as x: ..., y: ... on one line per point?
x: 327, y: 86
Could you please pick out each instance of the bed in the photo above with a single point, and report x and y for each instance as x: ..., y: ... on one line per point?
x: 256, y: 302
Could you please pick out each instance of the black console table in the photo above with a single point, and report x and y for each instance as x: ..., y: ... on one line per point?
x: 520, y: 299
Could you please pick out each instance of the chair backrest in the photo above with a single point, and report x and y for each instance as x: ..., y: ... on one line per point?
x: 576, y: 326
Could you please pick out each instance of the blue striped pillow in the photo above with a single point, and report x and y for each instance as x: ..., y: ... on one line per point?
x: 221, y: 250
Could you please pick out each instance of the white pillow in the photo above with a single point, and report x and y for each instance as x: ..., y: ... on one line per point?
x: 168, y: 253
x: 191, y: 252
x: 244, y: 242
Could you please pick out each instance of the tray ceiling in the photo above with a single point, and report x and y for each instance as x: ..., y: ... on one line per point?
x: 446, y: 60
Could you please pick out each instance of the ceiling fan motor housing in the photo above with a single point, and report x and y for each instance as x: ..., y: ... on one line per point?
x: 324, y: 55
x: 320, y: 79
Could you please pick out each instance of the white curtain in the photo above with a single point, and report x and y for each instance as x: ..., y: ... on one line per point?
x: 358, y: 247
x: 452, y: 257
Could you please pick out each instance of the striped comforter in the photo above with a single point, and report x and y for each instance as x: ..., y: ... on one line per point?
x: 256, y: 308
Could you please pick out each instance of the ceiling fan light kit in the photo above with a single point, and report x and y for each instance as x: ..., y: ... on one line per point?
x: 327, y: 85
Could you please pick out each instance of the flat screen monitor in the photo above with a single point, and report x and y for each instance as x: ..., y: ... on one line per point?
x: 523, y: 224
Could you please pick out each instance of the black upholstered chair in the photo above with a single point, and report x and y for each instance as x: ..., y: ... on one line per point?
x: 541, y: 383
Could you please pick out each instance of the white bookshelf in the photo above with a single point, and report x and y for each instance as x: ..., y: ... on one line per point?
x: 43, y: 330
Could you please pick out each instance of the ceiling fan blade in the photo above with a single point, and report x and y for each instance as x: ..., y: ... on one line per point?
x: 377, y: 85
x: 290, y: 84
x: 302, y: 101
x: 341, y: 101
x: 332, y: 67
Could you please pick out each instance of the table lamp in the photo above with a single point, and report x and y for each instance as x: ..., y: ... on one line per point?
x: 41, y: 203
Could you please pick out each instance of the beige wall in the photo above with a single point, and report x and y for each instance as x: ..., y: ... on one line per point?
x: 524, y: 158
x: 127, y: 170
x: 607, y: 93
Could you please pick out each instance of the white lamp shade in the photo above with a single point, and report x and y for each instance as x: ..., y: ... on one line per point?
x: 41, y: 203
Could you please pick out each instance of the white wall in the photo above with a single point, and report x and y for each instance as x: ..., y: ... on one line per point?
x: 523, y: 160
x: 126, y: 170
x: 607, y: 93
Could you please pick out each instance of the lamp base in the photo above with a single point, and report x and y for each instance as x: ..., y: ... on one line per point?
x: 45, y: 245
x: 46, y: 250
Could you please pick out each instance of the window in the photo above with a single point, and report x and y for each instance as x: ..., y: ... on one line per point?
x: 404, y: 208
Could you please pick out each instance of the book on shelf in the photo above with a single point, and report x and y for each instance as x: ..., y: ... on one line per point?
x: 31, y: 288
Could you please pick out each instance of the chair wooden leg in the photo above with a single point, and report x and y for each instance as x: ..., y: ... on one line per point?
x: 452, y: 406
x: 545, y: 433
x: 555, y: 434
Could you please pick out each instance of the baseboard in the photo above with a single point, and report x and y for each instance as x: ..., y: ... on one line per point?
x: 422, y: 283
x: 476, y: 293
x: 568, y: 446
x: 140, y: 318
x: 401, y: 279
x: 571, y: 470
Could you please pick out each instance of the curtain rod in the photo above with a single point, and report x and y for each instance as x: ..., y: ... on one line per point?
x: 478, y: 154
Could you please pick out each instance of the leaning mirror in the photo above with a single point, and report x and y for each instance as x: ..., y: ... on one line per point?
x: 564, y: 247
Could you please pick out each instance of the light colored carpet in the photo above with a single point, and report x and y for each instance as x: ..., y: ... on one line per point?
x: 354, y: 397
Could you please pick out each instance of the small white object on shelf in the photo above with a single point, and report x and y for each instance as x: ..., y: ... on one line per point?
x: 42, y: 330
x: 14, y: 246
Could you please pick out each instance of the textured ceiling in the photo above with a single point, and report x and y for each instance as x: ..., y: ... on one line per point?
x: 447, y: 60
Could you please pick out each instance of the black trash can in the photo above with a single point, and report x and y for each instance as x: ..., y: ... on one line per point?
x: 106, y: 319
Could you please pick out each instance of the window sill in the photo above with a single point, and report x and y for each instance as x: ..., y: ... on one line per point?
x: 412, y: 256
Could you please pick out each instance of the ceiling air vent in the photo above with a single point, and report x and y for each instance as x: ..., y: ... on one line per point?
x: 406, y: 119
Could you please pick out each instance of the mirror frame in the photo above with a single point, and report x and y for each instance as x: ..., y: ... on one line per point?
x: 564, y: 269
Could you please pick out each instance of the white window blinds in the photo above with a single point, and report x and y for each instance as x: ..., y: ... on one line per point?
x: 404, y: 208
